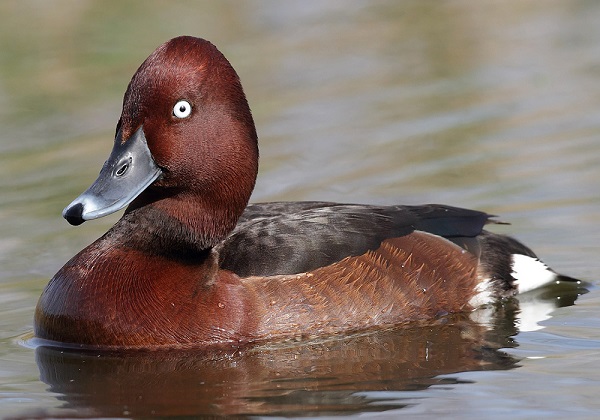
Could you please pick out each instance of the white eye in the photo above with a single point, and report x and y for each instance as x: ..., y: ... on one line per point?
x: 182, y: 109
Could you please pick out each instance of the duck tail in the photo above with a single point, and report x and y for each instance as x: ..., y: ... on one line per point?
x: 513, y: 268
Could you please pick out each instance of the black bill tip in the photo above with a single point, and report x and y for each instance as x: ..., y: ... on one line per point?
x: 74, y: 214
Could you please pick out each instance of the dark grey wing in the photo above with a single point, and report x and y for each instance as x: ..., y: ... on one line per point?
x: 448, y: 221
x: 279, y: 208
x: 288, y: 238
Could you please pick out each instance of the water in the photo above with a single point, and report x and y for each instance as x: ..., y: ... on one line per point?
x: 492, y: 106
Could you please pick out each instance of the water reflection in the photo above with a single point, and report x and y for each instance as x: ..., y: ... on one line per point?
x: 316, y: 378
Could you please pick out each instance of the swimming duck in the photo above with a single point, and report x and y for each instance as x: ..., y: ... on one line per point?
x: 190, y: 263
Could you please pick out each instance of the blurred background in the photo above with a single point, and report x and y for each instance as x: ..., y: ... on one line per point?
x: 489, y: 105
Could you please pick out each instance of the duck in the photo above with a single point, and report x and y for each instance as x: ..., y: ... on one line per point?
x: 191, y: 264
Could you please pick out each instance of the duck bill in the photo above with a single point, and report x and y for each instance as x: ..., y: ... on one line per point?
x: 129, y: 170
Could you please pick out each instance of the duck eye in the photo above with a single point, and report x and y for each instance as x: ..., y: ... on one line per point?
x: 182, y: 109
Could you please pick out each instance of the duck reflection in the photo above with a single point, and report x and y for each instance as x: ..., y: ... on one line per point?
x: 301, y: 378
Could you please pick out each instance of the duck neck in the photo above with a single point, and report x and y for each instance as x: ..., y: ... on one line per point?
x: 182, y: 225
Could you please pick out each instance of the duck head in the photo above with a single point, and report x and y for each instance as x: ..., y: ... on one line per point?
x: 185, y: 147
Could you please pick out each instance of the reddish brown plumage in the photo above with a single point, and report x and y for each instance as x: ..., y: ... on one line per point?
x: 154, y: 280
x: 140, y: 302
x: 209, y: 160
x: 136, y: 301
x: 415, y: 277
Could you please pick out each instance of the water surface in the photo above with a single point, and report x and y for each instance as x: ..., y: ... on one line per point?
x: 490, y: 106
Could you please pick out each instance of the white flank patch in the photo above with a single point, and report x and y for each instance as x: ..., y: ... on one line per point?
x: 484, y: 294
x: 530, y: 273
